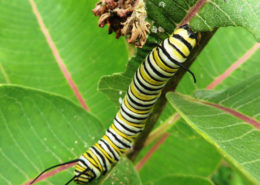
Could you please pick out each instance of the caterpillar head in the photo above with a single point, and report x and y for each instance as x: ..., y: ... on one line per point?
x: 187, y: 34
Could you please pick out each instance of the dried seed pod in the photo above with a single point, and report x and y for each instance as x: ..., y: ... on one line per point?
x: 124, y: 17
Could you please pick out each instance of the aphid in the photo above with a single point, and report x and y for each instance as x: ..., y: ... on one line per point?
x: 150, y: 78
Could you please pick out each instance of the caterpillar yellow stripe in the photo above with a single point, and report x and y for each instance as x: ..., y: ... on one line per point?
x: 150, y: 78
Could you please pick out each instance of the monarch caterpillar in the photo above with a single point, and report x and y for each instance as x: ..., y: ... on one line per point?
x: 151, y: 76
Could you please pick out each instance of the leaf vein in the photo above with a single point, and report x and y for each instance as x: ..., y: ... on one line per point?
x: 221, y: 10
x: 237, y: 137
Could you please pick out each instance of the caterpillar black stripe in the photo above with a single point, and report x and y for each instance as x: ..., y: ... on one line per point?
x: 152, y: 75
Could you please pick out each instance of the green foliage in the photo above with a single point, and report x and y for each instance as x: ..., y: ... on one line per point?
x: 219, y: 13
x: 42, y: 124
x: 226, y: 176
x: 27, y: 59
x: 118, y: 174
x: 226, y: 47
x: 39, y: 130
x: 222, y: 176
x: 183, y: 180
x: 183, y: 152
x: 232, y: 135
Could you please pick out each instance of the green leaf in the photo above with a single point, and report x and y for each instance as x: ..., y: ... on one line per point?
x: 115, y: 86
x: 167, y: 13
x: 227, y: 47
x: 183, y: 180
x: 26, y: 59
x: 225, y: 175
x: 243, y: 97
x: 38, y: 130
x: 87, y: 51
x: 221, y: 13
x: 124, y: 173
x: 228, y: 129
x: 183, y: 152
x: 222, y: 176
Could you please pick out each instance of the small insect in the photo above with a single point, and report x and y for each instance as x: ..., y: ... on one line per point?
x: 150, y: 78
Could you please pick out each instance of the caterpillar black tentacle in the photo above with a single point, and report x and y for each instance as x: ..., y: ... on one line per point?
x: 54, y: 166
x: 151, y: 76
x: 178, y: 63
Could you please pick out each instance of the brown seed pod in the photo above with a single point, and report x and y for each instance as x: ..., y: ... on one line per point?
x: 124, y: 17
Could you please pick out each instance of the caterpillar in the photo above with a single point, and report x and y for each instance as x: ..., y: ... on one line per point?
x: 144, y: 90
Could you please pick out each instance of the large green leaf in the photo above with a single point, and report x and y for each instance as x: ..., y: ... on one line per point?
x: 219, y: 13
x: 38, y: 130
x: 244, y: 97
x: 124, y: 173
x: 182, y: 180
x: 225, y: 175
x: 227, y: 47
x: 227, y: 126
x: 23, y: 50
x: 87, y: 51
x: 183, y: 152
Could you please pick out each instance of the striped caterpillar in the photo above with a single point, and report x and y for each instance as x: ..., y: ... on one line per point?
x: 150, y: 78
